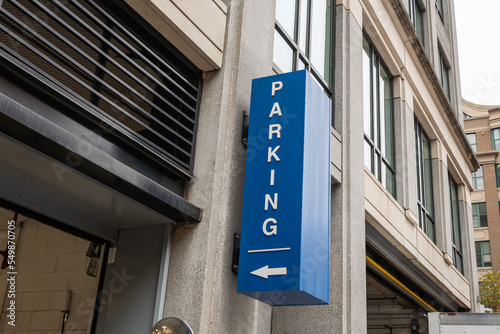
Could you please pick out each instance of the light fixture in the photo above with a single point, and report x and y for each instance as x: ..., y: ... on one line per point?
x: 415, y: 326
x: 93, y: 252
x: 171, y: 325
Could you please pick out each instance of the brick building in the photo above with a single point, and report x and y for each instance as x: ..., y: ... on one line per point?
x: 482, y: 125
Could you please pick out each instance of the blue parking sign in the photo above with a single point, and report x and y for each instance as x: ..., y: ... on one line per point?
x: 285, y: 233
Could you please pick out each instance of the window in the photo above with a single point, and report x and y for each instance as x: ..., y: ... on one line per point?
x: 417, y: 18
x: 483, y: 254
x: 137, y: 88
x: 479, y: 215
x: 439, y: 6
x: 425, y: 198
x: 495, y: 139
x: 378, y: 117
x: 478, y: 179
x: 303, y: 38
x: 444, y: 73
x: 497, y: 174
x: 455, y: 226
x: 472, y: 141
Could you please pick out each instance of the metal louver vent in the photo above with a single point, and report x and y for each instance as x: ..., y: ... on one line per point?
x: 87, y: 53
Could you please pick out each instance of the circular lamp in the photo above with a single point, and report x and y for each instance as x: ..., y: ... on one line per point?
x: 171, y: 325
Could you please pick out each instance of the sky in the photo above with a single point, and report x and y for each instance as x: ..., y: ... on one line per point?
x: 478, y: 34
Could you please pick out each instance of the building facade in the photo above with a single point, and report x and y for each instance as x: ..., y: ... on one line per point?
x: 482, y: 128
x: 123, y: 165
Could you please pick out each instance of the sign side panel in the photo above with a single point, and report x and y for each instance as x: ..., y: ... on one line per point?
x: 315, y: 257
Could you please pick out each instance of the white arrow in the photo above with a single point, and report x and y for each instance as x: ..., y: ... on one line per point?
x: 265, y: 271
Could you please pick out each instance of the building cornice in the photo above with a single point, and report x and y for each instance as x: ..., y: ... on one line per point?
x: 488, y: 157
x: 413, y: 40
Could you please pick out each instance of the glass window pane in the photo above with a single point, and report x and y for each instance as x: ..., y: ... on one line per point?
x: 374, y: 86
x: 482, y: 208
x: 383, y: 175
x: 389, y: 180
x: 487, y: 260
x: 285, y: 15
x: 455, y: 217
x: 328, y: 43
x: 497, y: 174
x: 303, y: 27
x: 484, y: 221
x: 411, y: 9
x: 495, y: 137
x: 459, y: 263
x: 368, y: 156
x: 479, y: 215
x: 385, y: 105
x: 445, y: 76
x: 479, y: 254
x: 282, y: 53
x: 419, y: 24
x: 475, y: 220
x: 318, y: 51
x: 439, y: 5
x: 427, y: 174
x: 477, y: 178
x: 486, y: 252
x: 486, y: 247
x: 480, y: 183
x: 367, y: 110
x: 301, y: 66
x: 472, y: 141
x: 430, y: 229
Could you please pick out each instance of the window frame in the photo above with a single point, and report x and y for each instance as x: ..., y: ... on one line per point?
x: 472, y: 144
x: 475, y: 177
x: 444, y: 74
x: 303, y: 56
x: 495, y: 139
x: 481, y: 253
x: 458, y: 257
x: 379, y: 160
x: 416, y: 13
x: 497, y: 175
x: 424, y: 180
x: 440, y: 9
x: 476, y: 213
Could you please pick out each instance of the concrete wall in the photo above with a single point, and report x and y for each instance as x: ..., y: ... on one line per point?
x: 201, y: 288
x: 196, y: 28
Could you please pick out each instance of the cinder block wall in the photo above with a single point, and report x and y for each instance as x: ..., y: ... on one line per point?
x: 49, y: 262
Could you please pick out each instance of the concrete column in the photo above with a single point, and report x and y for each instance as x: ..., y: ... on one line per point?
x: 469, y: 252
x: 442, y: 207
x: 347, y: 310
x: 406, y: 171
x: 201, y: 287
x: 411, y: 181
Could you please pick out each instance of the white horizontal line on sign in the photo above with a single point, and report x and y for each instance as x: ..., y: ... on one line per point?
x: 269, y: 250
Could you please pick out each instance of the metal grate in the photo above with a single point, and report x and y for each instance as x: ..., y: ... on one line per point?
x: 86, y: 52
